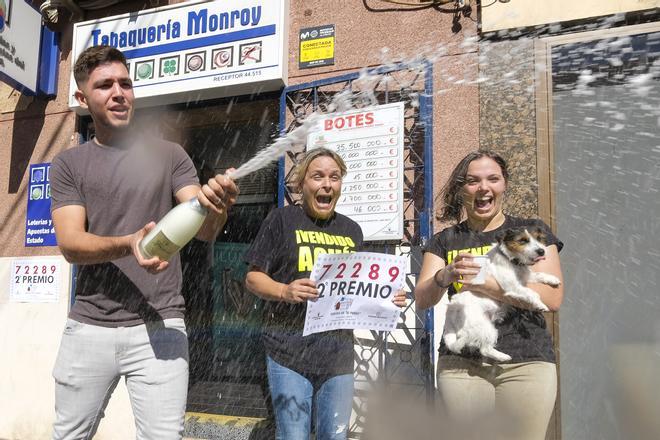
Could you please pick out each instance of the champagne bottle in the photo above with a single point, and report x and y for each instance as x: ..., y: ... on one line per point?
x: 174, y: 230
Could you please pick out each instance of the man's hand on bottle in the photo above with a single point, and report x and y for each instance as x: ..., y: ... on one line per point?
x: 151, y: 265
x: 218, y: 194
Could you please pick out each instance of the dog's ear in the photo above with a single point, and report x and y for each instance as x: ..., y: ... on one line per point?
x: 506, y: 235
x: 538, y: 234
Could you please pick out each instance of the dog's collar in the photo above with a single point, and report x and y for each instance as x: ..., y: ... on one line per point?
x: 514, y: 260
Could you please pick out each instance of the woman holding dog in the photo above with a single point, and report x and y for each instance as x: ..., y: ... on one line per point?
x: 514, y: 398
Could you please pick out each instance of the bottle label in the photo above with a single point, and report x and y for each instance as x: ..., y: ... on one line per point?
x: 161, y: 246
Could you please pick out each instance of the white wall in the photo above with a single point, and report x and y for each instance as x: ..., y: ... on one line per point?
x: 522, y: 13
x: 29, y: 339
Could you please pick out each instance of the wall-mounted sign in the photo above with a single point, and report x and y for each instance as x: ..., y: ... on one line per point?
x: 35, y: 279
x: 39, y: 229
x: 5, y: 11
x: 28, y: 51
x: 317, y: 46
x: 371, y: 143
x: 195, y: 50
x: 508, y: 15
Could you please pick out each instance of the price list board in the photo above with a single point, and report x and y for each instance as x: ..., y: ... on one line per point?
x: 371, y: 143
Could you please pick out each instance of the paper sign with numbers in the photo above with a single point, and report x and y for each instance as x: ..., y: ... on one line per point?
x: 35, y: 280
x: 355, y: 291
x: 370, y: 141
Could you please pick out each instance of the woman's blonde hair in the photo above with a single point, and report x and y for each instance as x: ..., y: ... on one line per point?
x: 301, y: 168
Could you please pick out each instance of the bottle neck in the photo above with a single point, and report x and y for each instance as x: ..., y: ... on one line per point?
x: 194, y: 203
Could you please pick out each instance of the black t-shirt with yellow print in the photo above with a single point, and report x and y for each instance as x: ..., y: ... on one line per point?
x: 286, y: 248
x: 522, y: 334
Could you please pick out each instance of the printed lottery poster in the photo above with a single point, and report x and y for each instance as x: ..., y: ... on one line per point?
x: 355, y: 292
x: 35, y: 280
x: 370, y: 141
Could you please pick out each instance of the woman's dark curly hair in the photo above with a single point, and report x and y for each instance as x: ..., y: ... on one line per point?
x: 451, y: 194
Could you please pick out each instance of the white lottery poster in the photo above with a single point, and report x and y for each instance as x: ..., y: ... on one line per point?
x: 370, y: 141
x: 35, y: 280
x: 355, y: 291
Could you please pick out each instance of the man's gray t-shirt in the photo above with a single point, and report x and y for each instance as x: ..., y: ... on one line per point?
x: 122, y: 189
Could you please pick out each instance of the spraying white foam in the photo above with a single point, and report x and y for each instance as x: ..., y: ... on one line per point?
x: 295, y: 139
x: 464, y: 62
x: 292, y: 141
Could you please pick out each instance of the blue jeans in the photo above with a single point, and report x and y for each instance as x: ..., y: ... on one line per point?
x: 297, y: 398
x: 153, y: 359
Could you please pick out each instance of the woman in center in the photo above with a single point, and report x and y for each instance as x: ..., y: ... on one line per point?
x: 310, y: 378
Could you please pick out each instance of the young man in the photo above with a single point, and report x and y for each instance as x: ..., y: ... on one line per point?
x: 127, y: 319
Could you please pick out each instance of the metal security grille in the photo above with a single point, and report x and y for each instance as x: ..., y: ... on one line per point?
x: 400, y: 361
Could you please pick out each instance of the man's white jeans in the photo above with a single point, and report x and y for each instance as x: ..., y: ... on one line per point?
x: 152, y: 357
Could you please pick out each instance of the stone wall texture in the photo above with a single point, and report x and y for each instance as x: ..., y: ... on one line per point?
x: 507, y: 122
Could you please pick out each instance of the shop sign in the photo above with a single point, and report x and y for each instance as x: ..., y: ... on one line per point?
x: 39, y: 229
x: 21, y: 39
x: 317, y: 46
x: 195, y: 50
x: 370, y: 141
x: 35, y: 280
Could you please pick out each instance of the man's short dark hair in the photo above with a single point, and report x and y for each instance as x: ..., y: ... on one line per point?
x: 92, y: 57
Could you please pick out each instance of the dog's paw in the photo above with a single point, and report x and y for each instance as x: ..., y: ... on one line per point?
x: 494, y: 354
x: 455, y: 347
x: 553, y: 281
x: 541, y: 307
x: 548, y: 279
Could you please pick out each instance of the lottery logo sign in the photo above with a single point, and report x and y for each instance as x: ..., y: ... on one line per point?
x: 144, y: 70
x: 250, y: 53
x: 39, y: 229
x: 195, y: 62
x: 169, y: 66
x: 223, y: 57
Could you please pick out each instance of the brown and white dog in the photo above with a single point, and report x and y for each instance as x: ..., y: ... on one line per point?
x: 471, y: 318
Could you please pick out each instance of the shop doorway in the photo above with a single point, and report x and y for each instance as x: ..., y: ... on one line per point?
x: 227, y: 363
x: 603, y: 96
